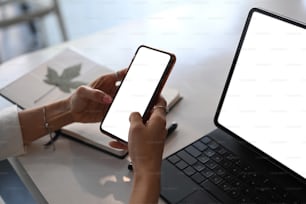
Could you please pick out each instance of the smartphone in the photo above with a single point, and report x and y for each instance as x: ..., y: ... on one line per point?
x: 138, y: 91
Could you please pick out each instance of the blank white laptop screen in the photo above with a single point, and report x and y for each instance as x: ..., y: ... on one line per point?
x: 265, y: 103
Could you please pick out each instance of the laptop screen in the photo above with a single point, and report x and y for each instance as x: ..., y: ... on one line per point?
x: 264, y: 101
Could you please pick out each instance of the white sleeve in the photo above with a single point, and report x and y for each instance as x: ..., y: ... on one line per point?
x: 11, y: 141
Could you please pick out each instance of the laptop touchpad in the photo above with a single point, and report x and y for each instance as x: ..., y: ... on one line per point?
x: 199, y: 196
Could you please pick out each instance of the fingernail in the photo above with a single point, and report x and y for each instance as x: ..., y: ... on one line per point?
x: 107, y: 99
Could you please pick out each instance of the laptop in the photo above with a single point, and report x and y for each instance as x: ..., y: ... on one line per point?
x: 257, y: 153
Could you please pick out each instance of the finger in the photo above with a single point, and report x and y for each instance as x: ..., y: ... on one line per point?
x: 118, y: 145
x: 161, y: 105
x: 94, y: 94
x: 108, y: 79
x: 161, y: 101
x: 160, y: 109
x: 136, y: 126
x: 135, y: 117
x: 122, y: 73
x: 157, y: 118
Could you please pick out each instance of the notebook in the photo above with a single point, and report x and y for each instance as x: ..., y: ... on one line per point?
x: 257, y: 154
x: 55, y: 79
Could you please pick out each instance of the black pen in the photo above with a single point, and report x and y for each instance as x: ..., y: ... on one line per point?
x: 170, y: 130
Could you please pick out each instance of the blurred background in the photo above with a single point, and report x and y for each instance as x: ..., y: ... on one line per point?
x: 29, y: 25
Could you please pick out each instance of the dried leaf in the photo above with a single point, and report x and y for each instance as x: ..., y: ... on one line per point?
x: 71, y: 72
x: 52, y: 77
x: 64, y: 82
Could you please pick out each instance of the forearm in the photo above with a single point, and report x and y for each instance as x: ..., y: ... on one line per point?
x: 33, y: 121
x: 146, y: 189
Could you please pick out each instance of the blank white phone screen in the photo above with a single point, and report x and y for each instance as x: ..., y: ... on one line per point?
x: 136, y: 90
x: 266, y: 100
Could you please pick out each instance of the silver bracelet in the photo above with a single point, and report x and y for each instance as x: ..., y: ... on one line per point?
x: 46, y: 124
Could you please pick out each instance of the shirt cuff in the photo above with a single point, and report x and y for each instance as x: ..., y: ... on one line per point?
x: 11, y: 140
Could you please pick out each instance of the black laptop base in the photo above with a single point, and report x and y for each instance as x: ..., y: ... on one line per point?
x: 208, y: 171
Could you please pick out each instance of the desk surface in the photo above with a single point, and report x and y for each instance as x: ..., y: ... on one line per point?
x: 203, y: 35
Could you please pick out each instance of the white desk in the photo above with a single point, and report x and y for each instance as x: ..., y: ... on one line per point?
x: 203, y: 35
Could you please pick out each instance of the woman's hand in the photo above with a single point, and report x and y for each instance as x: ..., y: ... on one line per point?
x: 146, y: 141
x: 86, y: 104
x: 89, y: 103
x: 146, y: 145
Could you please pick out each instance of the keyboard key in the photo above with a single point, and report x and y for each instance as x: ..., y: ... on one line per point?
x: 198, y: 178
x: 234, y: 169
x: 193, y: 151
x: 285, y: 196
x: 234, y: 194
x: 248, y: 192
x: 186, y: 157
x: 220, y: 171
x: 213, y: 145
x: 181, y: 165
x: 243, y: 176
x: 259, y: 199
x: 207, y: 173
x: 174, y: 159
x: 245, y: 200
x: 217, y: 158
x: 222, y: 151
x: 251, y: 178
x: 266, y: 193
x: 267, y: 183
x: 225, y: 163
x: 229, y: 178
x: 189, y: 171
x: 258, y: 180
x: 271, y: 191
x: 198, y: 166
x: 226, y: 187
x: 211, y: 164
x: 209, y: 152
x: 203, y: 158
x: 216, y: 179
x: 205, y: 140
x: 245, y: 167
x: 231, y: 157
x: 236, y: 183
x: 200, y: 146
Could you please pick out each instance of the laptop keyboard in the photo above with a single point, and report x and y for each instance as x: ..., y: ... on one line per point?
x: 206, y: 161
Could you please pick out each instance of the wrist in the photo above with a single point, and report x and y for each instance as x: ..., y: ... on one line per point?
x: 55, y: 115
x: 58, y: 114
x: 146, y: 188
x: 150, y: 177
